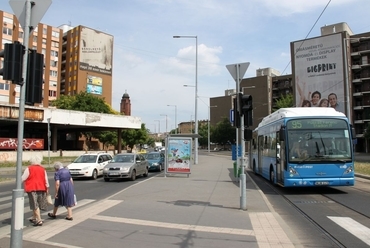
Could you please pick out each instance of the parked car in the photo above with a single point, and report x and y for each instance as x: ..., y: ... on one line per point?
x: 89, y: 165
x: 155, y: 160
x: 126, y: 165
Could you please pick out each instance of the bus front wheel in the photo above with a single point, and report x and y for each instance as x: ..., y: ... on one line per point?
x: 272, y: 175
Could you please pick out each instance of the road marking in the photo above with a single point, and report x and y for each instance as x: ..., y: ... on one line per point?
x: 358, y: 230
x: 57, y: 226
x: 209, y: 229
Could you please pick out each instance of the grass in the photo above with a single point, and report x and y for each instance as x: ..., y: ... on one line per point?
x: 44, y: 162
x: 362, y: 168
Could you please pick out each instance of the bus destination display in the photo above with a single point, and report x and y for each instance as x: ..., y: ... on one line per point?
x: 316, y: 124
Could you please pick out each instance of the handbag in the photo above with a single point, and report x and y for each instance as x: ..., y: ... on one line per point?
x: 49, y: 200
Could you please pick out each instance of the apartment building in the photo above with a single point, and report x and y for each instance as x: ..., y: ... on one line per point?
x: 44, y: 39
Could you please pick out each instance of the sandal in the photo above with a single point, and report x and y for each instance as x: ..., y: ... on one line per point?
x: 38, y: 223
x: 69, y: 218
x: 53, y: 216
x: 32, y: 220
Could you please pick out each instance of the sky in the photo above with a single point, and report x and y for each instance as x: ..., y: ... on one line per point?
x: 153, y: 67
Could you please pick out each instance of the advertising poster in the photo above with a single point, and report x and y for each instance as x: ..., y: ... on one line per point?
x: 318, y: 71
x: 179, y: 155
x: 96, y: 51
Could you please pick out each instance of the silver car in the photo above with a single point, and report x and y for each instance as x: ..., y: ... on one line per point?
x: 126, y: 165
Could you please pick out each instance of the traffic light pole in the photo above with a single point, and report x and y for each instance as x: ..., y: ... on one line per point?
x: 242, y: 181
x: 16, y: 235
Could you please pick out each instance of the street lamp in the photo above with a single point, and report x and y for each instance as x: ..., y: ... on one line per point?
x: 209, y: 128
x: 159, y: 125
x: 166, y: 122
x: 196, y: 93
x: 175, y: 116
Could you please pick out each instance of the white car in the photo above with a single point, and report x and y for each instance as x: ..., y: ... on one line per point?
x: 89, y: 165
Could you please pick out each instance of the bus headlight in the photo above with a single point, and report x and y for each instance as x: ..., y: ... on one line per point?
x: 348, y: 170
x: 292, y: 171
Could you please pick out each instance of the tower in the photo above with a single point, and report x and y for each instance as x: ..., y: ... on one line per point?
x: 125, y: 104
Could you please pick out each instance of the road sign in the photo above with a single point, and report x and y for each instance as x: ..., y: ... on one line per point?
x: 231, y: 117
x: 38, y: 9
x: 242, y: 69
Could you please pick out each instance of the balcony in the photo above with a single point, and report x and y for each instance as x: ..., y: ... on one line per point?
x: 355, y: 54
x: 357, y: 80
x: 356, y: 67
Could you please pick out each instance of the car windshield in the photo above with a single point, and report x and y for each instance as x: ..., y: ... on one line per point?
x: 86, y: 159
x: 153, y: 156
x: 123, y: 159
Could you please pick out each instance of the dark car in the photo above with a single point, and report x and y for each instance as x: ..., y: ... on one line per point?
x: 155, y: 160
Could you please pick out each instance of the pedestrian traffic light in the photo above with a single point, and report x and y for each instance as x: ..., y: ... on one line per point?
x: 12, y: 62
x: 236, y: 114
x: 35, y: 70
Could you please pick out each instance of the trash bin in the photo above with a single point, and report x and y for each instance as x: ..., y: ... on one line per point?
x: 237, y: 171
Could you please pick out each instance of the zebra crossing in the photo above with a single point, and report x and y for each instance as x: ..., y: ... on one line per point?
x: 6, y: 211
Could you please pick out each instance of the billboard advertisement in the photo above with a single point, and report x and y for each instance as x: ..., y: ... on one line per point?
x: 178, y: 155
x: 318, y: 70
x: 96, y: 51
x: 94, y: 85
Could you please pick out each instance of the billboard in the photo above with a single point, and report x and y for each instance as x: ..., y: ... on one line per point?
x: 318, y: 70
x: 96, y: 51
x: 178, y: 159
x: 94, y: 85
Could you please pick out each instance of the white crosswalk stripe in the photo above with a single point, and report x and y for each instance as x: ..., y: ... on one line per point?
x: 360, y: 231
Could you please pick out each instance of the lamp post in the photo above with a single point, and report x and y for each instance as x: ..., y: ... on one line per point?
x: 166, y: 122
x: 159, y: 125
x: 196, y: 93
x: 175, y: 116
x: 209, y: 127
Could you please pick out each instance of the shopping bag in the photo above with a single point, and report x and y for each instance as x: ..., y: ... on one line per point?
x: 75, y: 199
x: 49, y: 200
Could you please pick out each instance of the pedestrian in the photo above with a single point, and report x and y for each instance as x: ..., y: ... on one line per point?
x: 64, y: 191
x: 36, y: 185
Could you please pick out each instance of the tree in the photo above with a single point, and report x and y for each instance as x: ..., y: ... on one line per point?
x: 203, y: 133
x: 224, y: 133
x: 285, y: 101
x: 135, y: 136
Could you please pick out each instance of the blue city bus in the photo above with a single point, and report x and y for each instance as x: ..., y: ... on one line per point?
x: 304, y: 147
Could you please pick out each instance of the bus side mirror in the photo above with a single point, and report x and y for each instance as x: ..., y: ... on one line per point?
x: 353, y: 133
x: 281, y: 134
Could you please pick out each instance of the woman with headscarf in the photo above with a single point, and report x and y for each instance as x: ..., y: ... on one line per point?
x: 36, y: 185
x: 64, y: 191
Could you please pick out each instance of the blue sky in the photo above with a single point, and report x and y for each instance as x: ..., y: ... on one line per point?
x: 153, y: 66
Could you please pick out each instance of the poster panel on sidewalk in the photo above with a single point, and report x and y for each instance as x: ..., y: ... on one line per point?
x: 178, y: 155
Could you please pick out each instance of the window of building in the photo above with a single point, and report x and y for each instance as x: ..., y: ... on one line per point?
x: 43, y: 51
x: 52, y: 83
x: 52, y: 93
x: 7, y: 31
x: 4, y: 86
x: 44, y: 30
x: 43, y: 41
x: 54, y: 53
x: 54, y: 44
x: 20, y: 34
x: 7, y: 20
x: 55, y: 34
x: 5, y: 41
x: 53, y: 63
x: 53, y: 73
x: 34, y: 38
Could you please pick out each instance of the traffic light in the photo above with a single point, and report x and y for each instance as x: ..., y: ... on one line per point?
x: 236, y: 114
x: 35, y: 70
x: 13, y: 62
x: 246, y: 109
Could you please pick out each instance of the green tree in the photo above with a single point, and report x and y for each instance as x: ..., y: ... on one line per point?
x: 203, y: 133
x: 285, y: 101
x: 135, y: 136
x: 224, y: 133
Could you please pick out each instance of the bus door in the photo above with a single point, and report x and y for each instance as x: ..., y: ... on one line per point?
x: 261, y: 144
x: 279, y: 159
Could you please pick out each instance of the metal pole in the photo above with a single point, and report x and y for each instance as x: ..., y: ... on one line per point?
x: 175, y: 119
x: 242, y: 182
x: 346, y: 84
x: 209, y: 131
x: 16, y: 235
x: 49, y: 139
x: 196, y: 101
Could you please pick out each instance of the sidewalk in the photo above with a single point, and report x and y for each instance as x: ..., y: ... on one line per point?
x: 202, y: 210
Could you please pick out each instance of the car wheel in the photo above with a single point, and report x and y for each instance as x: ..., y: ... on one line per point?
x: 94, y: 174
x: 146, y: 173
x: 133, y: 175
x: 106, y: 179
x: 159, y: 168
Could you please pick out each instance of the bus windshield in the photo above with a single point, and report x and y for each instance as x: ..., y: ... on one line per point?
x: 318, y: 140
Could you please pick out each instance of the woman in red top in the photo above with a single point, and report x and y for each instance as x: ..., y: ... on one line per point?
x: 36, y: 184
